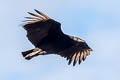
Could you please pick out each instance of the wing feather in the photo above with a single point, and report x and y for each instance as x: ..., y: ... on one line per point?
x: 42, y: 14
x: 79, y: 57
x: 75, y: 59
x: 71, y: 58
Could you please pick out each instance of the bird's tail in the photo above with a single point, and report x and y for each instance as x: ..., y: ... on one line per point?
x: 31, y: 53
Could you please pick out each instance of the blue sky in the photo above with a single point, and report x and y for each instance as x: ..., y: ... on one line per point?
x: 97, y: 22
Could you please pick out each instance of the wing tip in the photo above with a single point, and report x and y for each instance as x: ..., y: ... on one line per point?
x: 79, y: 58
x: 37, y: 17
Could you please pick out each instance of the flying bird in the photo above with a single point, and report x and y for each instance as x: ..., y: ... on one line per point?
x: 47, y: 37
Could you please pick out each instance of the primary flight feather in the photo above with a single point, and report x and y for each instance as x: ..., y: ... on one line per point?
x: 47, y: 37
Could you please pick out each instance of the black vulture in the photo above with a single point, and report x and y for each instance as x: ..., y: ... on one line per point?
x: 47, y: 37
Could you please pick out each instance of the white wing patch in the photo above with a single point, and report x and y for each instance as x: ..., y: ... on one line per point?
x: 37, y: 17
x: 79, y: 56
x: 36, y: 51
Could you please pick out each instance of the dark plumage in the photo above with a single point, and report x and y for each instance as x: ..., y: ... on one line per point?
x: 47, y: 37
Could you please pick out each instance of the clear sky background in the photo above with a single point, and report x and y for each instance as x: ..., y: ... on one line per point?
x: 96, y: 21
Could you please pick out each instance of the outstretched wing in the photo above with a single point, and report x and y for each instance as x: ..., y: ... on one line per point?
x: 38, y: 27
x: 78, y: 52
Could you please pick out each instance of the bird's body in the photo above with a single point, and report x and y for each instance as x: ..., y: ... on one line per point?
x: 47, y: 37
